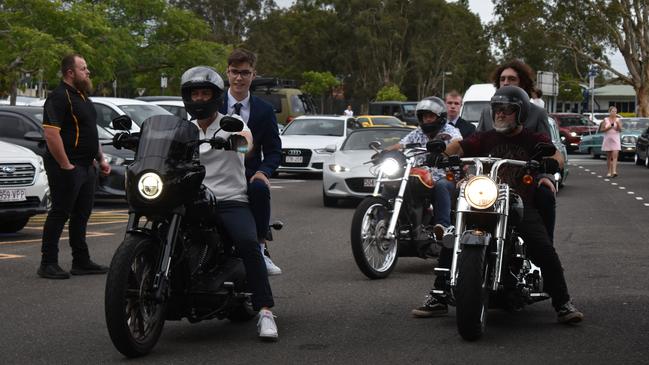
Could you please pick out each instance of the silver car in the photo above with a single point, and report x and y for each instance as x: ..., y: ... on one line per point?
x: 556, y: 140
x: 346, y: 174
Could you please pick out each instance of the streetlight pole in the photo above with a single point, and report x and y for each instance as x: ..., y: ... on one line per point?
x: 444, y: 74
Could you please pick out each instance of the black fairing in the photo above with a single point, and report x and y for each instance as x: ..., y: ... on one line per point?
x: 168, y: 146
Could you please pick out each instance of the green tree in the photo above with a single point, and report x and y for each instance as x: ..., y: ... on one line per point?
x: 389, y: 93
x: 319, y: 84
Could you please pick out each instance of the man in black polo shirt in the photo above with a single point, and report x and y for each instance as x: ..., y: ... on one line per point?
x: 70, y: 127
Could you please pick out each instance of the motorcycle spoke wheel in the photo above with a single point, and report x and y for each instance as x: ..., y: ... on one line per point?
x: 472, y: 292
x: 375, y: 255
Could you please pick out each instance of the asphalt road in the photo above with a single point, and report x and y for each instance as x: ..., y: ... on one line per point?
x: 329, y: 313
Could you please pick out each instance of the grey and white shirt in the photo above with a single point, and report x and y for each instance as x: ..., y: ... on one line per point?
x: 418, y: 136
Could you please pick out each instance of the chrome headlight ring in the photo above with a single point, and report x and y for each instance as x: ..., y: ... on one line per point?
x: 150, y: 185
x: 481, y: 192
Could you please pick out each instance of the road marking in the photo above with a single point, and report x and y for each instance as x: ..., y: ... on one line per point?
x: 599, y: 176
x: 586, y: 170
x: 646, y: 204
x: 6, y: 256
x: 621, y: 187
x: 639, y: 198
x: 276, y: 187
x: 607, y: 179
x: 89, y: 234
x: 630, y: 192
x: 613, y: 184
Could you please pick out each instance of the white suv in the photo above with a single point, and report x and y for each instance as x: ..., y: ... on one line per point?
x: 24, y: 191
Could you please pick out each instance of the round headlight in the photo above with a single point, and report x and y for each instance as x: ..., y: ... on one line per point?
x: 481, y: 192
x: 390, y: 166
x: 150, y: 185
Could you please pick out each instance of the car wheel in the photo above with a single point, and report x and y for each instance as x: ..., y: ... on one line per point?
x: 595, y: 155
x: 638, y: 161
x: 328, y: 201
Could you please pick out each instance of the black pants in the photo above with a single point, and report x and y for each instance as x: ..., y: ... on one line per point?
x: 73, y: 194
x: 237, y: 220
x: 259, y: 198
x: 546, y: 203
x: 540, y: 251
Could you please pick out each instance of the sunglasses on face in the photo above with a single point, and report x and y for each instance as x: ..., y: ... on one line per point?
x: 507, y: 109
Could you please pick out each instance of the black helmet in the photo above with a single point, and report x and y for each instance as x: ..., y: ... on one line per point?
x: 201, y: 77
x: 514, y: 96
x: 435, y: 105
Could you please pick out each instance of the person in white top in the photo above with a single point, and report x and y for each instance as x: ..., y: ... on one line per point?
x: 202, y: 92
x: 348, y: 112
x: 537, y: 94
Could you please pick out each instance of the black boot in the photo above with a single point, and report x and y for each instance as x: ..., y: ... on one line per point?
x: 52, y: 271
x: 87, y: 268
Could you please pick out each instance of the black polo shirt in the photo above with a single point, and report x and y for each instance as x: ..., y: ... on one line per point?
x: 72, y: 112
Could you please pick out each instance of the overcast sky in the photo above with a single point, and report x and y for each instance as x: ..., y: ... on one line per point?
x: 484, y: 9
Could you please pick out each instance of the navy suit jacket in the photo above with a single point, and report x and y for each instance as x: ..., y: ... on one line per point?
x: 266, y: 153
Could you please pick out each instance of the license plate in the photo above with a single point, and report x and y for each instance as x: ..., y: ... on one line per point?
x: 369, y: 183
x: 12, y: 195
x: 293, y: 159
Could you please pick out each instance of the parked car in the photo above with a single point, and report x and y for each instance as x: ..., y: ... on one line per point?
x: 305, y: 139
x: 642, y: 149
x: 404, y: 110
x: 632, y: 128
x: 346, y: 174
x: 24, y: 191
x: 475, y: 100
x: 558, y: 143
x: 172, y: 104
x: 380, y: 121
x: 287, y: 100
x: 23, y: 126
x: 572, y: 127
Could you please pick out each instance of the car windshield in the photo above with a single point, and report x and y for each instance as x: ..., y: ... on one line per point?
x: 575, y: 121
x: 409, y: 109
x: 471, y: 110
x: 317, y: 127
x: 635, y: 124
x: 140, y: 112
x: 389, y: 121
x: 360, y: 139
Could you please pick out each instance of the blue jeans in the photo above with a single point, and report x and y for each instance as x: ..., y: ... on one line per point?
x: 443, y: 192
x: 237, y: 221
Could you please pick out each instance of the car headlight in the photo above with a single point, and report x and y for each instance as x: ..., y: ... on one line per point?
x: 481, y: 192
x: 41, y: 166
x: 322, y: 150
x: 113, y: 160
x: 150, y: 185
x: 390, y: 167
x: 573, y: 134
x: 338, y: 168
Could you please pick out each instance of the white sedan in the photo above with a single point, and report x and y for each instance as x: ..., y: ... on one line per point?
x: 309, y: 140
x: 346, y: 174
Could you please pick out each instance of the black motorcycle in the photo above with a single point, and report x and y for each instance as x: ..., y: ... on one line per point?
x: 396, y: 221
x: 174, y: 261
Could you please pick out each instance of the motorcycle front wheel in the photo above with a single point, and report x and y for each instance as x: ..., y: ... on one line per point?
x: 375, y: 255
x: 133, y: 317
x: 472, y: 292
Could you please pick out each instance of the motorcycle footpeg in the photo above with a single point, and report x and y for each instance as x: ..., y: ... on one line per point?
x: 441, y: 270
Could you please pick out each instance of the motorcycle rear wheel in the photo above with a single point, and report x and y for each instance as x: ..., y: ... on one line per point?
x: 472, y: 292
x: 375, y: 256
x: 133, y: 317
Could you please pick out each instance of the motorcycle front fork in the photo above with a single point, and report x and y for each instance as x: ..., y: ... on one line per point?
x: 398, y: 202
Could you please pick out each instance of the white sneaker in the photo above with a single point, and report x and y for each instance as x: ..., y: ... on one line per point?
x: 266, y: 326
x: 270, y: 265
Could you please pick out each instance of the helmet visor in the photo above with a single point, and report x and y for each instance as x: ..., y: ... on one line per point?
x: 505, y: 108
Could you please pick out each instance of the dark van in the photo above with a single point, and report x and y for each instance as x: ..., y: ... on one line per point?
x: 404, y: 110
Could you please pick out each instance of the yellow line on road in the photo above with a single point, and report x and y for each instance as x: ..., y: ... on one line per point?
x: 6, y: 256
x: 89, y: 234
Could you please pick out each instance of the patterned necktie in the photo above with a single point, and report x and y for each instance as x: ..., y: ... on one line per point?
x: 237, y: 108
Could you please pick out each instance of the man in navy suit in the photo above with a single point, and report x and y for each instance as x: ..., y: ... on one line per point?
x: 266, y: 152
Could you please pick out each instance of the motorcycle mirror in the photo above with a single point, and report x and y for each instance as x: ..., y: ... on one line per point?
x: 231, y: 124
x: 436, y: 146
x: 375, y: 145
x: 123, y: 123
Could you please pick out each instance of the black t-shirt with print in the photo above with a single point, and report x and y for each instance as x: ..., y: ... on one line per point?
x: 72, y: 112
x: 518, y: 147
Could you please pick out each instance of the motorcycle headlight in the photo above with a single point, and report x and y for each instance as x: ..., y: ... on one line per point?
x: 390, y: 167
x: 481, y: 192
x: 338, y: 168
x: 150, y: 185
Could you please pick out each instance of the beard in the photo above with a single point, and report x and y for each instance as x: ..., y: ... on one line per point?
x: 85, y: 86
x: 503, y: 126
